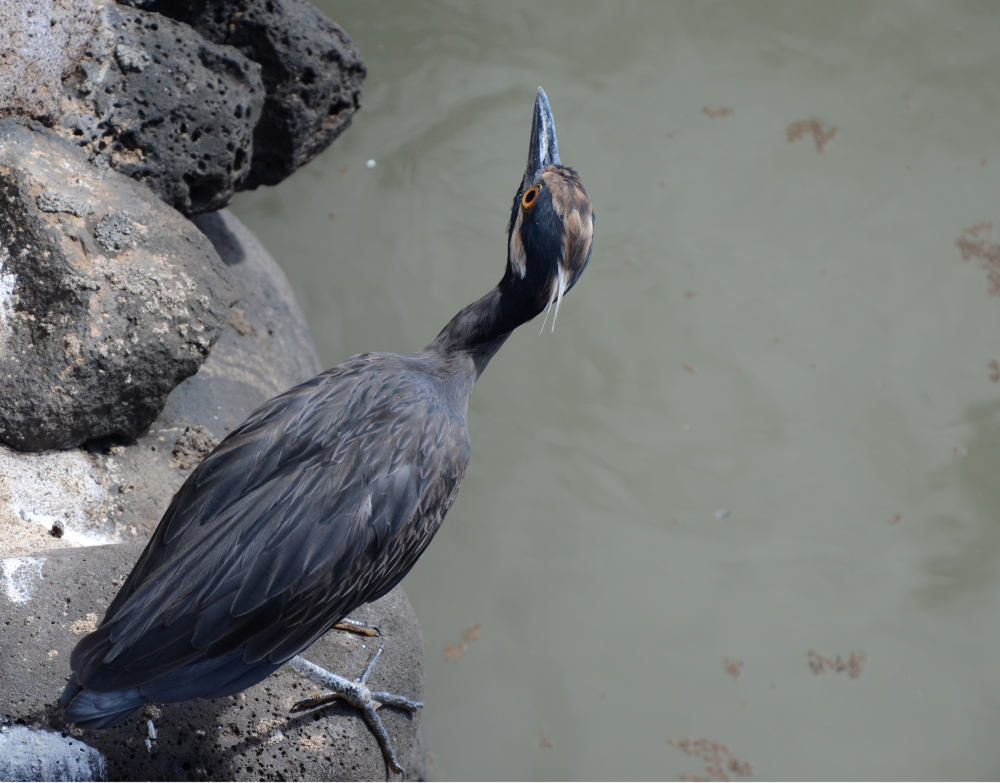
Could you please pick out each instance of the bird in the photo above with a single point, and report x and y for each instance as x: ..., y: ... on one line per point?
x: 326, y: 496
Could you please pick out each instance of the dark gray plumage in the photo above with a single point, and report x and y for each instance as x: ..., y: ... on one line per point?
x: 321, y: 501
x: 327, y: 495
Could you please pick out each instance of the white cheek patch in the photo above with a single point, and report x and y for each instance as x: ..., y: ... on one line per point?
x: 515, y: 253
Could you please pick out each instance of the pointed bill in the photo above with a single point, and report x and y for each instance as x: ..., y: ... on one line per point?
x: 544, y: 148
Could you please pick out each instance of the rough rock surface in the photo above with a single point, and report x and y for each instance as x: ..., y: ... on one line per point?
x: 49, y: 490
x: 155, y: 101
x: 40, y: 43
x: 311, y: 69
x: 117, y: 489
x: 37, y: 754
x: 108, y: 298
x: 250, y: 736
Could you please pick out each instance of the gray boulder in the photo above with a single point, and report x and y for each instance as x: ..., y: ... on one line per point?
x: 108, y: 298
x: 36, y: 754
x: 117, y: 489
x: 41, y: 41
x: 311, y: 69
x: 155, y: 101
x: 250, y: 736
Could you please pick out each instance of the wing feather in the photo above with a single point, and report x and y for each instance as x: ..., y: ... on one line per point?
x: 322, y: 500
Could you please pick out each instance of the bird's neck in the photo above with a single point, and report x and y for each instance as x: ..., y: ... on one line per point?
x: 480, y: 329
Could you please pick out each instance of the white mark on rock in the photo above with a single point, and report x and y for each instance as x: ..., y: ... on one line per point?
x: 55, y: 486
x: 7, y: 283
x: 19, y: 577
x: 275, y: 737
x: 371, y: 164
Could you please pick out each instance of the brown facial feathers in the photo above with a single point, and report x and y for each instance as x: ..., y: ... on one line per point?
x: 571, y: 203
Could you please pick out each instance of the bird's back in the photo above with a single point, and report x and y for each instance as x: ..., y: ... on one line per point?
x: 321, y: 501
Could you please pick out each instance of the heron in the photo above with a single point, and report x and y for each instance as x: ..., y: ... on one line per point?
x: 326, y: 496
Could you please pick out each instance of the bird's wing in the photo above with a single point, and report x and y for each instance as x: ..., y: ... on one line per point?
x: 322, y: 500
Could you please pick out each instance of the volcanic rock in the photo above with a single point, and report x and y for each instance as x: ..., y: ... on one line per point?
x: 108, y: 298
x: 311, y: 69
x: 41, y: 41
x: 155, y: 101
x: 117, y: 489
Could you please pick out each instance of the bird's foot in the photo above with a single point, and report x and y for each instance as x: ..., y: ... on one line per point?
x: 356, y: 693
x: 354, y: 626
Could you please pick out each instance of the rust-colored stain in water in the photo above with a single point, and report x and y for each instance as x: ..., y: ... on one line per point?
x: 977, y: 242
x: 719, y: 762
x: 854, y: 665
x: 455, y: 653
x: 821, y: 136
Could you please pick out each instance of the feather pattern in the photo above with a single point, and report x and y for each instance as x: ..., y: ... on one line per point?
x: 280, y: 533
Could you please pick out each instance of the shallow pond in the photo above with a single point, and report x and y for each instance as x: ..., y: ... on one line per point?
x: 764, y: 433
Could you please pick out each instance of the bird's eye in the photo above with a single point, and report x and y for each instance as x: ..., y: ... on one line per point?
x: 530, y: 197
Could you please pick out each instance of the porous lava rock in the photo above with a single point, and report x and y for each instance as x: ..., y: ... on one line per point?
x: 41, y: 41
x: 157, y: 102
x: 311, y: 69
x: 108, y: 297
x: 117, y: 489
x: 250, y: 736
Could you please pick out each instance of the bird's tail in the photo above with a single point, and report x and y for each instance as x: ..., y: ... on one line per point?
x: 92, y: 710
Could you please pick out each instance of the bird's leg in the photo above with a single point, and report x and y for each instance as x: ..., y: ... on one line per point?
x: 356, y: 693
x: 354, y: 626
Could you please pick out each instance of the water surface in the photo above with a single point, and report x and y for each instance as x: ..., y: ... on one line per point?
x: 765, y: 422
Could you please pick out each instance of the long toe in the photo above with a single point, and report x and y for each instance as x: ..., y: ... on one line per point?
x: 314, y: 701
x: 387, y: 699
x: 378, y: 729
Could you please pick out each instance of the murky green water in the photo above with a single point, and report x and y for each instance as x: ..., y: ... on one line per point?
x: 787, y: 336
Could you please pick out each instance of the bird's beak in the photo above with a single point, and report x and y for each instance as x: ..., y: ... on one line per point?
x: 544, y: 149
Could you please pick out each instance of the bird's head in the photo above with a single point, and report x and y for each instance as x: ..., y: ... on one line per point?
x: 551, y: 230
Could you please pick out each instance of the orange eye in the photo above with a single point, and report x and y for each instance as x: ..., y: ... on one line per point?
x: 530, y: 197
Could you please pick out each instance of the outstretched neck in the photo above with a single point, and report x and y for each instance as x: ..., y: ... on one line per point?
x: 480, y: 329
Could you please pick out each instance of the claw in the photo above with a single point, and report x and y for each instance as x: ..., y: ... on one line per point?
x: 356, y: 693
x: 316, y: 700
x: 354, y: 626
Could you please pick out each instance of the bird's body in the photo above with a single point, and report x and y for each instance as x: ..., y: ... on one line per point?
x: 282, y: 531
x: 325, y: 497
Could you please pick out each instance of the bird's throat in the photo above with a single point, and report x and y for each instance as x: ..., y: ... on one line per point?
x: 481, y: 328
